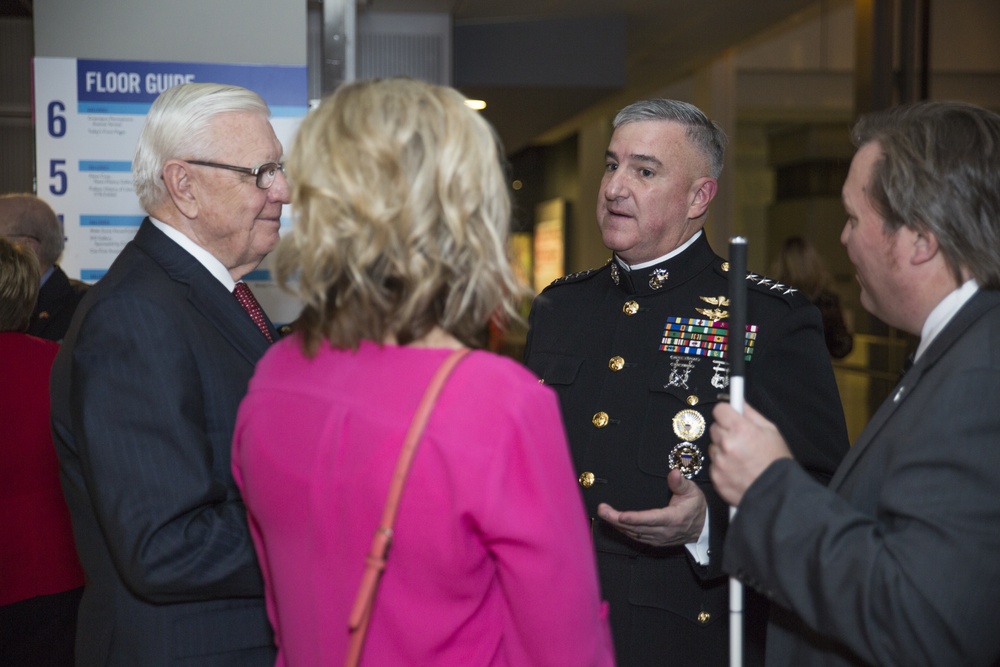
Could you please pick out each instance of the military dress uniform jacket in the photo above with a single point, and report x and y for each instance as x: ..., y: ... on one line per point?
x: 631, y: 357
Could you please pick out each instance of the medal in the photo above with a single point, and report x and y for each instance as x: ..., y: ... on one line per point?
x: 689, y: 425
x: 687, y: 457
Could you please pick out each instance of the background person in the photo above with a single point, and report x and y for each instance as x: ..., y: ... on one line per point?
x: 399, y: 249
x: 41, y: 580
x: 894, y: 563
x: 800, y: 266
x: 624, y: 348
x: 26, y: 219
x: 146, y: 387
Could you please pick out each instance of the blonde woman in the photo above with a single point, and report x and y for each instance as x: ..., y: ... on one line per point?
x: 399, y: 253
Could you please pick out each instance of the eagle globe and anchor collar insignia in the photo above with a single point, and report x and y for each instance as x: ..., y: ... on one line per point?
x: 657, y: 277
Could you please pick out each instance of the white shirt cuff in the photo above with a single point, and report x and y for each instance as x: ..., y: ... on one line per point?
x: 699, y: 549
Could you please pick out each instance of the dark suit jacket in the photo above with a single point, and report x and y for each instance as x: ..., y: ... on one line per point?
x: 896, y: 563
x: 144, y: 397
x: 599, y: 344
x: 57, y: 301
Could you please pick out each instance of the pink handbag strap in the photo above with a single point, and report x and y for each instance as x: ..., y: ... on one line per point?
x: 375, y: 561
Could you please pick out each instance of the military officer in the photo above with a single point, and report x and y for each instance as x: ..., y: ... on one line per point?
x: 636, y: 352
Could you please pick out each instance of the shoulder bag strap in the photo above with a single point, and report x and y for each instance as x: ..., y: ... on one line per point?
x: 362, y: 609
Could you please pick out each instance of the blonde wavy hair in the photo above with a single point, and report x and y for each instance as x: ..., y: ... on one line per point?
x: 401, y: 215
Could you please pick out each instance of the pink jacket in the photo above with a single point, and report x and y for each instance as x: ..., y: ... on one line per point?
x: 491, y: 563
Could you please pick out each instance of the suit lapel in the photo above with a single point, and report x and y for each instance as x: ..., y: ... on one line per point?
x: 53, y: 290
x: 975, y: 308
x: 225, y: 312
x: 206, y: 294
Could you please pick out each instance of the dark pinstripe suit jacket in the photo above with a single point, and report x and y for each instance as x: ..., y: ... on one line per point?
x: 144, y: 397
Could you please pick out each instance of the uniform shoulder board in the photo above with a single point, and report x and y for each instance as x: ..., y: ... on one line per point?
x: 760, y: 283
x: 575, y: 277
x: 773, y: 287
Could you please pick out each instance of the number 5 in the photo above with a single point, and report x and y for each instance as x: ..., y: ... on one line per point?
x: 59, y: 187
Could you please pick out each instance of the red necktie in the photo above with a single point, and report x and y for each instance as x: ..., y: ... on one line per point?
x: 249, y: 303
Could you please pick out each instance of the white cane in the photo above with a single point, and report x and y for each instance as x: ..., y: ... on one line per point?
x: 737, y: 358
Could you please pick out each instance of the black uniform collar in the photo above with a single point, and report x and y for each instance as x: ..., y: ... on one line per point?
x: 667, y: 274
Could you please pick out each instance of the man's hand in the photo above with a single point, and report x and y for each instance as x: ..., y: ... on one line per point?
x: 743, y: 446
x: 679, y: 523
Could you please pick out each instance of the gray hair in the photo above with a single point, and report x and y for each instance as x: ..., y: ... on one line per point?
x: 940, y: 172
x: 179, y: 125
x: 706, y: 135
x: 23, y: 214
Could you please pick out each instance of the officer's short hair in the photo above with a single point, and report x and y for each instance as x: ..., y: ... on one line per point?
x: 706, y: 135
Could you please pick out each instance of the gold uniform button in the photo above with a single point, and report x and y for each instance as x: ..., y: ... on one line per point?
x: 630, y: 308
x: 586, y: 479
x: 616, y: 364
x: 600, y: 419
x: 725, y: 266
x: 692, y: 400
x: 704, y: 617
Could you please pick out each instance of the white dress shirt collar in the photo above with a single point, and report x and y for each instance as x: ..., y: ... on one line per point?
x: 672, y: 253
x: 204, y: 257
x: 942, y: 314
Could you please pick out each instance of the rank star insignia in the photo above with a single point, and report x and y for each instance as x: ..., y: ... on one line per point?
x: 687, y: 458
x: 615, y: 276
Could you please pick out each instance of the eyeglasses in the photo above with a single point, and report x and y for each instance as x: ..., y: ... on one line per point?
x: 265, y: 173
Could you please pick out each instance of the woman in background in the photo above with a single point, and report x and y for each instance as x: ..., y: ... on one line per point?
x: 399, y: 253
x: 40, y: 576
x: 801, y: 267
